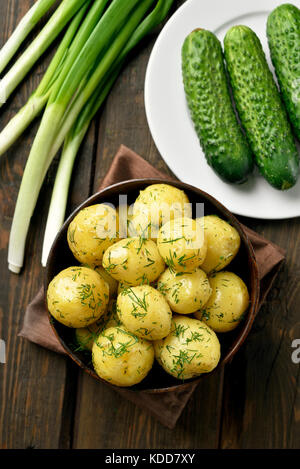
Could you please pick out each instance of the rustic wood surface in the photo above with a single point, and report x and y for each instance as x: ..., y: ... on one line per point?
x: 48, y: 402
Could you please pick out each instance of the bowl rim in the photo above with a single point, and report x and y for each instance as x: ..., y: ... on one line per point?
x: 255, y: 290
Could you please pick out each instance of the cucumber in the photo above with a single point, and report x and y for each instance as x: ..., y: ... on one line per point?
x: 207, y: 93
x: 283, y: 31
x: 260, y: 108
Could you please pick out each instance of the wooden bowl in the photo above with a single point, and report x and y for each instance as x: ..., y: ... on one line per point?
x: 244, y: 265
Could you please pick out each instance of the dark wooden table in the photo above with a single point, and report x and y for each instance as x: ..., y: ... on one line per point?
x: 46, y: 401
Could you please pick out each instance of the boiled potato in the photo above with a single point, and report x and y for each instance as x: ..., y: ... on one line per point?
x: 145, y: 312
x: 77, y: 296
x: 182, y: 244
x: 122, y: 358
x: 156, y: 205
x: 85, y: 336
x: 133, y: 261
x: 112, y: 283
x: 185, y: 292
x: 223, y: 243
x: 191, y: 348
x: 91, y: 232
x: 228, y: 302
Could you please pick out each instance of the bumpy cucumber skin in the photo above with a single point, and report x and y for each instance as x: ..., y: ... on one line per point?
x: 207, y: 93
x: 283, y: 31
x: 260, y: 108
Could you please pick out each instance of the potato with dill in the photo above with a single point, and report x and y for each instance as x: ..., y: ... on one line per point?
x: 182, y: 244
x: 91, y: 232
x: 145, y: 312
x: 77, y: 297
x: 223, y: 243
x: 191, y: 348
x: 121, y: 358
x: 186, y: 292
x: 134, y: 261
x: 228, y: 302
x: 157, y: 204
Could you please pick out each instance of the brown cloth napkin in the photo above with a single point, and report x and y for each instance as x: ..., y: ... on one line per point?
x: 166, y: 407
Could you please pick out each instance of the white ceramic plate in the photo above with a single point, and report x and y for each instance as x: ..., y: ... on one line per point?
x: 168, y: 115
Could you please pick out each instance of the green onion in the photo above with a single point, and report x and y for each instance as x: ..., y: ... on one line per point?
x: 59, y: 19
x: 91, y: 82
x: 80, y: 77
x: 38, y: 161
x: 25, y: 26
x: 152, y: 20
x: 76, y: 135
x: 39, y: 98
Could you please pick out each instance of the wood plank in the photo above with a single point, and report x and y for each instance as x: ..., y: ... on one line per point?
x: 106, y: 420
x: 37, y: 387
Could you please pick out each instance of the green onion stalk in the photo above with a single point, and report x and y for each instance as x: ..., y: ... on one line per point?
x: 77, y: 133
x: 63, y: 91
x: 25, y: 26
x: 56, y: 70
x: 113, y: 55
x: 66, y: 10
x: 38, y: 100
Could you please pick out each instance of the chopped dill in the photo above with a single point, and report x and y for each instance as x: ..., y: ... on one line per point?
x: 180, y: 361
x: 142, y: 303
x: 179, y: 330
x: 166, y: 241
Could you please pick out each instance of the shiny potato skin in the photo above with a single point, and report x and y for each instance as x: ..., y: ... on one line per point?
x: 77, y: 297
x: 185, y: 292
x: 228, y: 302
x: 223, y: 243
x: 145, y: 312
x: 121, y: 358
x: 182, y: 245
x: 91, y: 232
x: 191, y: 348
x: 133, y: 261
